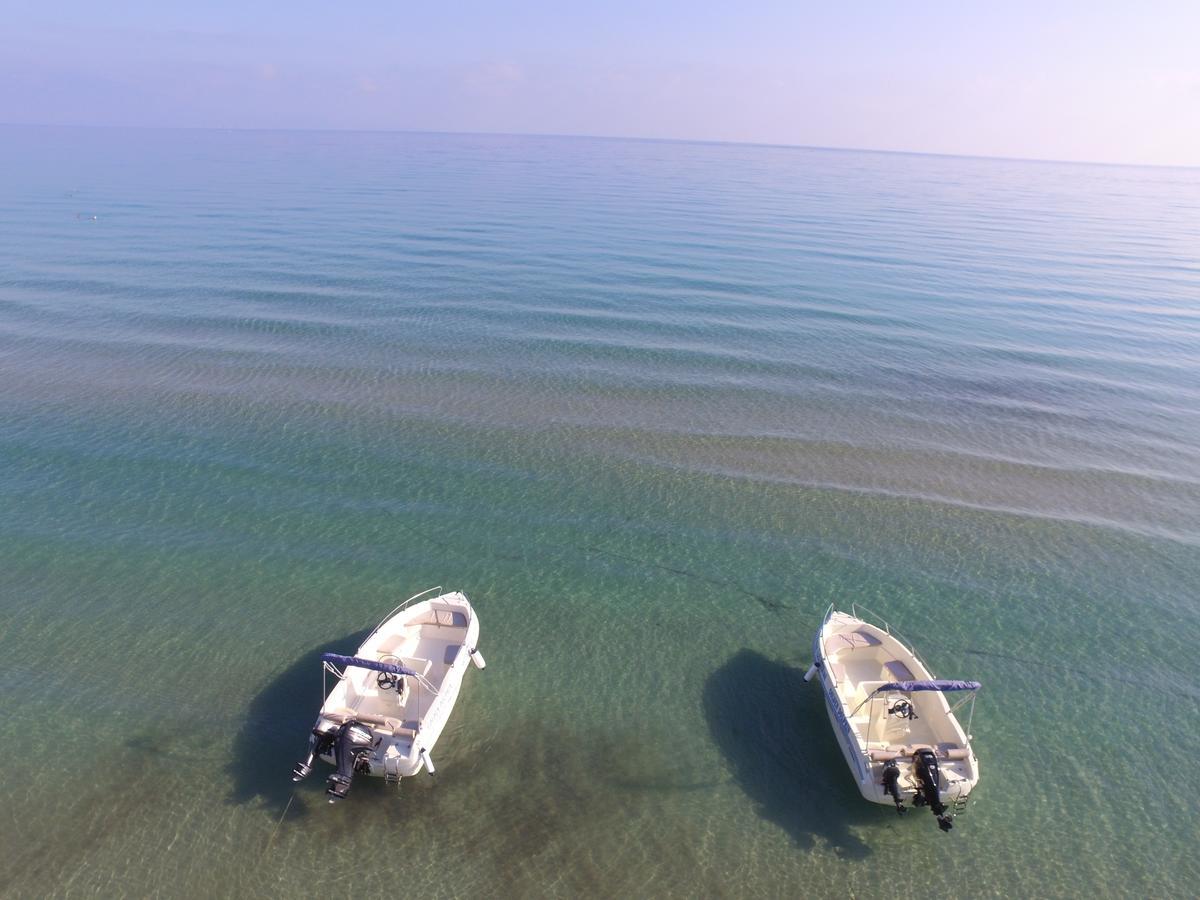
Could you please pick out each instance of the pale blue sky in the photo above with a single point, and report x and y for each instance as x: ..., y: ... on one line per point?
x: 1111, y: 82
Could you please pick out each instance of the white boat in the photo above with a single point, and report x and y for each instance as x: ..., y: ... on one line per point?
x: 394, y: 696
x: 892, y: 718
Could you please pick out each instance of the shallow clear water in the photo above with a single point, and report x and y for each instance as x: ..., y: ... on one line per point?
x: 654, y: 407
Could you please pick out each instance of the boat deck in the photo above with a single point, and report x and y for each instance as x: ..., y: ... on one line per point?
x: 428, y: 650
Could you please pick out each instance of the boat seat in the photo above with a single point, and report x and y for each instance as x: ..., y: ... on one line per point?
x: 451, y: 617
x: 952, y: 751
x: 943, y: 751
x: 852, y: 639
x: 338, y: 714
x: 384, y: 724
x: 898, y: 670
x: 375, y: 719
x: 345, y: 714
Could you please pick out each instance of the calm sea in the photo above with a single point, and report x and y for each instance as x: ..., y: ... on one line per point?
x: 654, y: 407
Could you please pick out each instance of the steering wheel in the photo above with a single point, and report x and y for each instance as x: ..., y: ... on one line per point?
x: 904, y: 709
x: 387, y: 681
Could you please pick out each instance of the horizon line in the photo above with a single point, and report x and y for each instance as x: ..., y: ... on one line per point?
x: 612, y: 137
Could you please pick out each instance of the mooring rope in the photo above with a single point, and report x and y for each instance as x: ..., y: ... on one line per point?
x: 280, y: 822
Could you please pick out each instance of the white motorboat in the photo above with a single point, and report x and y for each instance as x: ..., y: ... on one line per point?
x: 892, y: 718
x: 394, y: 696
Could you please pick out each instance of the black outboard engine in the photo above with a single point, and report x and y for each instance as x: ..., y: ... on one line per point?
x: 352, y: 747
x: 926, y: 766
x: 320, y: 743
x: 891, y: 784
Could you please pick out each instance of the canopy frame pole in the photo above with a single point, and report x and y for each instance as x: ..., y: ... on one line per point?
x: 959, y: 705
x: 867, y: 700
x: 870, y: 723
x: 330, y: 667
x: 404, y: 604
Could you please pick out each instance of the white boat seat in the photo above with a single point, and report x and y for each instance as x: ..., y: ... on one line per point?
x: 854, y: 639
x: 898, y: 670
x: 451, y: 618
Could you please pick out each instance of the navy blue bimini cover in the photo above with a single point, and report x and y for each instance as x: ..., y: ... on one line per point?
x: 344, y: 661
x: 935, y: 685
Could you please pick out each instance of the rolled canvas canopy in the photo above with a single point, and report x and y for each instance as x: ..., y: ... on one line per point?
x: 935, y: 685
x: 344, y: 661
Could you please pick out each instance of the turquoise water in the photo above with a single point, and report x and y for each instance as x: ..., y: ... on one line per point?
x: 653, y: 406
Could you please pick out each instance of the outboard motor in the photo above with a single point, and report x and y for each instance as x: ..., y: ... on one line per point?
x: 320, y: 743
x: 891, y: 784
x: 929, y: 775
x: 352, y: 750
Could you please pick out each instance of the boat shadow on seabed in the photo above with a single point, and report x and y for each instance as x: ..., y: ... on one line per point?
x: 774, y: 733
x: 276, y: 727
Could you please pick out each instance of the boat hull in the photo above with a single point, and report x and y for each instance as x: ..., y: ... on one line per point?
x: 435, y: 641
x: 853, y: 660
